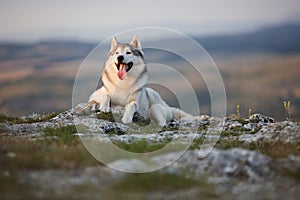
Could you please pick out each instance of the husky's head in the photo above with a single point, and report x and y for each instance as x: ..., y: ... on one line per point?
x: 126, y: 58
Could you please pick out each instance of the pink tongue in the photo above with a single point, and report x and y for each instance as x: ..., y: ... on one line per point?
x: 122, y: 71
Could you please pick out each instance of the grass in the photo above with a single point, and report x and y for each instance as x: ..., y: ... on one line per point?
x: 65, y: 136
x: 62, y: 135
x: 106, y: 116
x: 288, y: 109
x: 292, y: 174
x: 19, y: 155
x: 148, y: 182
x: 277, y: 149
x: 274, y: 149
x: 140, y: 184
x: 20, y: 120
x: 11, y: 188
x: 236, y: 131
x: 228, y: 144
x: 59, y: 149
x: 221, y: 144
x: 141, y: 146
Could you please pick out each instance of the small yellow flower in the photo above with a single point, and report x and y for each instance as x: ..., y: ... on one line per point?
x: 287, y: 107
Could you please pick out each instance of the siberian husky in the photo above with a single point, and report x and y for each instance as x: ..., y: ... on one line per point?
x: 124, y: 80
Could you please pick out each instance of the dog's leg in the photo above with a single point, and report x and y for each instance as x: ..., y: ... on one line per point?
x: 130, y: 109
x: 159, y: 114
x: 86, y: 108
x: 102, y: 99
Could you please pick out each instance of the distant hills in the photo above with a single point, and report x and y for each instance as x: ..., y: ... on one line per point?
x: 256, y: 67
x: 283, y: 39
x: 52, y: 50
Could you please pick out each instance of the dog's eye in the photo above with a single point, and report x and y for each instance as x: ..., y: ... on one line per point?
x: 128, y: 52
x: 117, y: 53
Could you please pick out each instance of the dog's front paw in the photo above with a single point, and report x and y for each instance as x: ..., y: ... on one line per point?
x: 126, y: 119
x: 105, y: 109
x: 202, y: 117
x: 85, y: 108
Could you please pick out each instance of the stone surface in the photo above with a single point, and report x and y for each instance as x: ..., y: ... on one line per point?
x: 234, y: 173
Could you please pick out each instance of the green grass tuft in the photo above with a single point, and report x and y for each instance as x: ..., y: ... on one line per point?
x: 141, y: 146
x: 106, y: 116
x: 23, y: 154
x: 275, y: 149
x: 292, y: 174
x: 156, y: 181
x: 20, y: 120
x: 62, y: 134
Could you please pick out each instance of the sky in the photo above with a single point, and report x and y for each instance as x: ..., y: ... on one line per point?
x: 94, y: 20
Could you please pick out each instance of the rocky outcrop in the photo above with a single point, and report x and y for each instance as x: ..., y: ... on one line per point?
x: 234, y: 171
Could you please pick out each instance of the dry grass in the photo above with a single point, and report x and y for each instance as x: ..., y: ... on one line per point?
x: 19, y: 154
x: 259, y: 82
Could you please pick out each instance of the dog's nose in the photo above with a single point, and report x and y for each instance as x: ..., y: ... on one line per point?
x: 120, y: 58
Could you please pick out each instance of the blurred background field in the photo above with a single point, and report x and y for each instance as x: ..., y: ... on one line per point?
x: 255, y: 45
x: 260, y: 70
x: 258, y: 53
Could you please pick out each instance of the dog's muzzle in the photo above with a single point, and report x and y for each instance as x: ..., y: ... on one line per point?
x: 123, y: 68
x: 127, y: 66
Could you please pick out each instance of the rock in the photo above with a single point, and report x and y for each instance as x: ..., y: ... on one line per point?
x: 252, y: 127
x: 237, y: 172
x: 233, y: 163
x: 290, y: 164
x: 129, y: 165
x: 234, y: 125
x: 259, y: 118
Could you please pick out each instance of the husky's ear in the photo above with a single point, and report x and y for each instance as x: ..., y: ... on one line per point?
x: 136, y: 42
x: 114, y: 43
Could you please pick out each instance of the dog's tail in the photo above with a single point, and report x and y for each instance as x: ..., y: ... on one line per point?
x: 181, y: 115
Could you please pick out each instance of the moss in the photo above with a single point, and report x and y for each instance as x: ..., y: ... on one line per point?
x: 168, y: 128
x: 234, y: 132
x: 114, y: 131
x: 141, y: 146
x: 237, y: 131
x: 106, y: 116
x: 221, y: 144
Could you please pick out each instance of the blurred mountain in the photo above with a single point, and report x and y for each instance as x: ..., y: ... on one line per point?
x: 51, y: 50
x: 282, y: 39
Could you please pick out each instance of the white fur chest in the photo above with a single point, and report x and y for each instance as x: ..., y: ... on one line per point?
x: 121, y: 94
